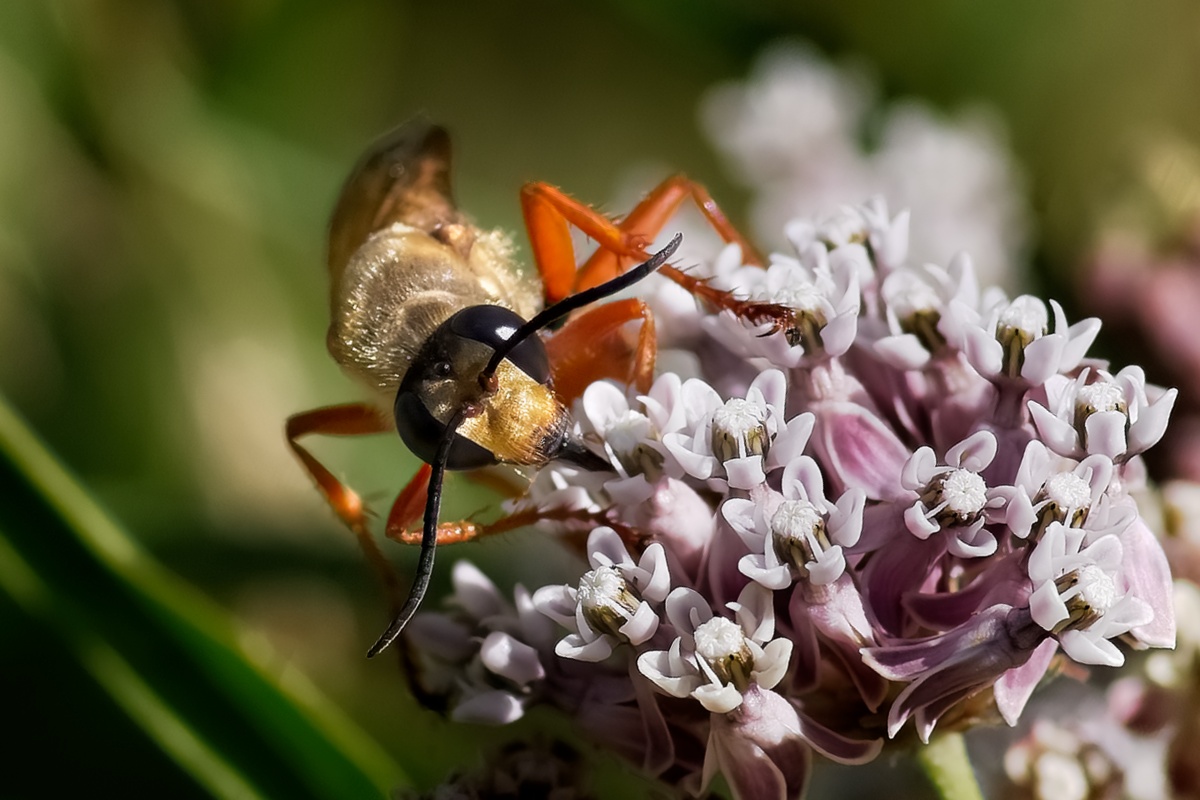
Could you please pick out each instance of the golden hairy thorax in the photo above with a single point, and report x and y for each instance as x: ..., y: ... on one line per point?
x: 402, y: 283
x: 402, y: 258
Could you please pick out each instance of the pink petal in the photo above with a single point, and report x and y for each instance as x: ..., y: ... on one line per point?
x: 759, y: 748
x: 1145, y: 570
x: 859, y: 450
x: 489, y: 708
x: 511, y: 659
x: 1014, y: 688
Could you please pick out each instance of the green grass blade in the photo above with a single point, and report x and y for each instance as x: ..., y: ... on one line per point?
x: 164, y: 654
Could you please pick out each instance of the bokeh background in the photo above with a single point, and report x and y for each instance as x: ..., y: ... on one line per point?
x: 166, y: 173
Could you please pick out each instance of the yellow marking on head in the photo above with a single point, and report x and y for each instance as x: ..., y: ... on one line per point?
x: 520, y: 421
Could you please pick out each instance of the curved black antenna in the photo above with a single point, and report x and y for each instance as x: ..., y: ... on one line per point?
x: 569, y: 304
x: 433, y: 506
x: 433, y: 497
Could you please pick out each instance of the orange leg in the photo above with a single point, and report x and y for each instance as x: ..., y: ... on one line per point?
x: 351, y: 419
x: 581, y: 523
x: 594, y: 345
x: 549, y: 213
x: 409, y: 508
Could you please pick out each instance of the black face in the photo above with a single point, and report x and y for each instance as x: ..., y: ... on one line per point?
x: 445, y: 373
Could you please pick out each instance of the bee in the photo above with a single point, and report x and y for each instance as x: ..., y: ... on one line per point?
x: 431, y: 313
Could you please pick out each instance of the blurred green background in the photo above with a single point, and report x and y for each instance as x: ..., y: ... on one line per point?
x: 166, y: 173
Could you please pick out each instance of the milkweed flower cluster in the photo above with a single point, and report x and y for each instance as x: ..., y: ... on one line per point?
x: 904, y: 507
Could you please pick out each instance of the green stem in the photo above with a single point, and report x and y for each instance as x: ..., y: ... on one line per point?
x: 948, y: 767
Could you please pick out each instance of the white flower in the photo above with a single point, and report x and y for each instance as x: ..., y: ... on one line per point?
x: 614, y: 602
x: 953, y: 497
x: 916, y: 302
x: 793, y: 132
x: 714, y: 659
x: 1051, y: 489
x: 1012, y: 339
x: 1102, y: 413
x: 735, y: 442
x: 797, y: 533
x: 1077, y: 596
x: 821, y: 289
x: 485, y: 657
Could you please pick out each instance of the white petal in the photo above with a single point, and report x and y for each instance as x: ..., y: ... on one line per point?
x: 918, y: 469
x: 839, y: 334
x: 579, y: 649
x: 605, y: 548
x: 745, y: 473
x: 474, y: 592
x: 558, y: 603
x: 772, y: 385
x: 846, y: 521
x: 1106, y: 433
x: 1054, y: 432
x: 653, y: 565
x: 1090, y: 649
x: 754, y: 567
x: 973, y: 453
x: 641, y: 626
x: 772, y: 666
x: 604, y: 405
x: 918, y: 524
x: 1081, y: 336
x: 656, y: 665
x: 687, y: 609
x: 1046, y: 606
x: 904, y: 351
x: 1152, y: 422
x: 1042, y: 358
x: 982, y: 350
x: 718, y: 699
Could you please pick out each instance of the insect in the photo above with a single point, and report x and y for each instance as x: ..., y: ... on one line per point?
x: 429, y: 312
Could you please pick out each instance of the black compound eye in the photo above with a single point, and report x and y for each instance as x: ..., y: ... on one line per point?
x: 493, y: 325
x: 423, y: 434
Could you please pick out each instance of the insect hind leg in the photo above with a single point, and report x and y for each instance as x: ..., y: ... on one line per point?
x: 549, y: 213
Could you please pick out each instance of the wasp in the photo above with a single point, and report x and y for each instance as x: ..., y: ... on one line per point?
x: 431, y: 313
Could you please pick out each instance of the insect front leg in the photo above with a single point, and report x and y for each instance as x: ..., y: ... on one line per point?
x: 403, y: 522
x: 351, y: 419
